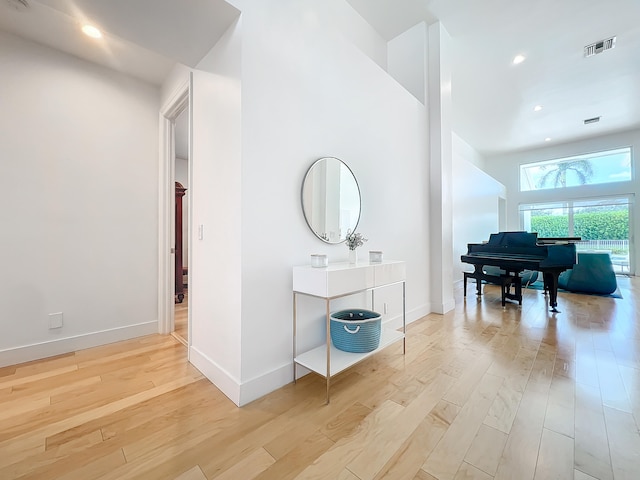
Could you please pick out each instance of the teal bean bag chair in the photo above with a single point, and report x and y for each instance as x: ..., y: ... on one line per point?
x: 527, y: 276
x: 592, y: 274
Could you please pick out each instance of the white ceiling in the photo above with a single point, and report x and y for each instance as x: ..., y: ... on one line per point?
x: 493, y: 100
x: 143, y: 38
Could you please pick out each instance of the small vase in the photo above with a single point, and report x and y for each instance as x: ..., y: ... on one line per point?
x: 353, y: 256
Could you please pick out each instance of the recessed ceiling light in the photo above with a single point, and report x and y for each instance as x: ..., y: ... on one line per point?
x: 537, y: 108
x: 91, y: 31
x: 548, y: 139
x: 518, y: 59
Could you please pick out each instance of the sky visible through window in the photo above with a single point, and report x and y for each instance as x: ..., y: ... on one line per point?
x: 589, y: 169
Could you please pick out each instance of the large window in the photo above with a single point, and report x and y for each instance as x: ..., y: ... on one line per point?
x: 590, y: 169
x: 603, y: 224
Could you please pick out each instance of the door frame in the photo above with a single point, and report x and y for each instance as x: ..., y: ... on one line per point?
x: 181, y: 99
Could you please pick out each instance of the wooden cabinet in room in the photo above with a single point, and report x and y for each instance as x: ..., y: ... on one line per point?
x: 179, y: 267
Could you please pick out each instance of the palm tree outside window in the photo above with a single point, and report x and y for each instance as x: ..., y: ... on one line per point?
x: 556, y: 175
x: 588, y: 169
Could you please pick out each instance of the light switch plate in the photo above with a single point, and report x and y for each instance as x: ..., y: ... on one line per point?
x: 55, y: 320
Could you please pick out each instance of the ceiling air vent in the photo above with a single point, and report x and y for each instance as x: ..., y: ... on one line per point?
x: 599, y: 47
x: 591, y: 120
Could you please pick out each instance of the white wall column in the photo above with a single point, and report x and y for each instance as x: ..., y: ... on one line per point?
x: 440, y: 192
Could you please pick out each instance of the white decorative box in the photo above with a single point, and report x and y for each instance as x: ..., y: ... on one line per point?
x: 375, y: 256
x: 319, y: 261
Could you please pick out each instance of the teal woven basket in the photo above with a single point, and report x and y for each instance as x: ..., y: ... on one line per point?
x: 355, y: 330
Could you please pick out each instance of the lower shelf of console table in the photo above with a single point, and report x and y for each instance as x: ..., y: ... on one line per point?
x: 338, y: 281
x: 316, y: 359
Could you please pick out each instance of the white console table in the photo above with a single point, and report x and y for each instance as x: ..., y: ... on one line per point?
x: 336, y: 281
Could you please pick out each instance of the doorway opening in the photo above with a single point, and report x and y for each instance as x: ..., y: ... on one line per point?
x: 175, y: 217
x: 181, y: 227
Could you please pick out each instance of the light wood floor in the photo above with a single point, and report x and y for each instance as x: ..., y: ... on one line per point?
x: 482, y: 393
x: 180, y: 319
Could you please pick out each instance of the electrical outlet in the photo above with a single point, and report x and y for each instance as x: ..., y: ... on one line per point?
x: 55, y: 320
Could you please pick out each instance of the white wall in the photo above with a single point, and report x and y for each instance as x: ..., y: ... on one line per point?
x: 215, y: 189
x: 339, y: 18
x: 79, y: 229
x: 284, y: 86
x: 406, y: 55
x: 307, y: 93
x: 505, y: 168
x: 475, y: 203
x: 276, y: 74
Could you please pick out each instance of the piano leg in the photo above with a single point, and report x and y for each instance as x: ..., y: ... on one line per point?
x: 466, y: 276
x: 551, y: 285
x: 505, y: 288
x: 478, y: 275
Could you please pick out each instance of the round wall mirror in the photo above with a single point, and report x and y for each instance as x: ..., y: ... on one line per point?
x: 331, y: 199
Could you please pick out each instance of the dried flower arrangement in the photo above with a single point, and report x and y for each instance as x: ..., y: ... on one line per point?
x: 354, y: 240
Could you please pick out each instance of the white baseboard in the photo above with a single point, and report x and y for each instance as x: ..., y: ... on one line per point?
x: 245, y: 392
x: 267, y: 383
x: 59, y: 346
x: 279, y: 377
x: 419, y: 312
x: 222, y: 379
x: 241, y: 393
x: 443, y: 308
x: 411, y: 316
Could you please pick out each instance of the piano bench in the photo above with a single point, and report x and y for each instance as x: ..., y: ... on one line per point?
x: 505, y: 281
x: 478, y: 278
x: 505, y: 288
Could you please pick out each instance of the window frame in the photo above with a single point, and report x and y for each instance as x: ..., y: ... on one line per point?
x: 570, y: 204
x: 583, y: 156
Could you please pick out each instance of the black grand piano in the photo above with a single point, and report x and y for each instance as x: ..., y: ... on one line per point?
x: 515, y: 252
